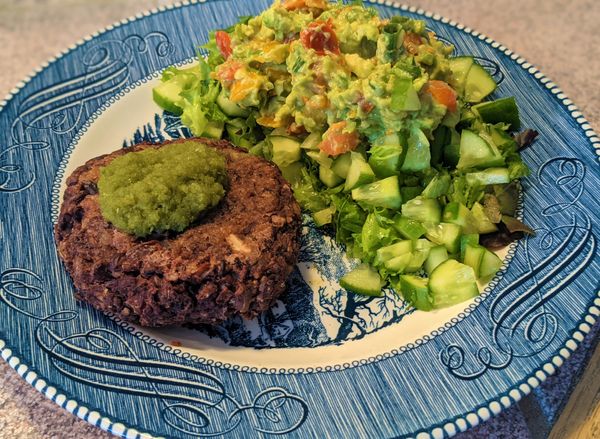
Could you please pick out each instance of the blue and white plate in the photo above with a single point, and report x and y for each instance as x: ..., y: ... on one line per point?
x: 321, y: 362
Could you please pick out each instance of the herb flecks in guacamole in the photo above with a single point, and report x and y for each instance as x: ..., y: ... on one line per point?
x: 163, y: 189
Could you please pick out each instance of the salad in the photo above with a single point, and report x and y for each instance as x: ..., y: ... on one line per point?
x: 384, y: 136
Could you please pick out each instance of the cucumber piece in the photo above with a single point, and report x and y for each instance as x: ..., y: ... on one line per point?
x: 416, y: 262
x: 437, y: 255
x: 446, y: 234
x: 460, y: 66
x: 341, y: 165
x: 404, y: 96
x: 214, y: 130
x: 451, y: 283
x: 488, y: 176
x: 475, y: 152
x: 502, y: 110
x: 451, y: 152
x: 438, y: 186
x: 490, y: 264
x: 484, y: 225
x: 312, y: 141
x: 381, y: 193
x: 501, y: 138
x: 418, y: 154
x: 292, y: 173
x: 229, y: 107
x: 478, y: 84
x: 470, y: 239
x: 363, y: 280
x: 392, y: 251
x: 410, y: 192
x: 359, y: 172
x: 458, y: 213
x: 409, y: 228
x: 167, y: 95
x: 324, y: 216
x: 385, y: 159
x: 473, y: 257
x: 328, y: 177
x: 398, y: 264
x: 424, y: 210
x: 285, y: 150
x: 441, y: 138
x: 416, y: 291
x: 320, y: 157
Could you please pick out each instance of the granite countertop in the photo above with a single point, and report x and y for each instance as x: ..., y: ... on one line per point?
x: 560, y: 38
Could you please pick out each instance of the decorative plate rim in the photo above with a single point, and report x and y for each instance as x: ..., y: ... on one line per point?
x: 448, y: 427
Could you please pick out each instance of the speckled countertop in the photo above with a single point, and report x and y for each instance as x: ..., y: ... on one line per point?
x: 560, y: 38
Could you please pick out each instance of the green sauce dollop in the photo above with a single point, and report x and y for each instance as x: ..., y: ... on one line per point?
x: 164, y: 189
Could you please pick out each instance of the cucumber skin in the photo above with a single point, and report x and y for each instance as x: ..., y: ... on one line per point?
x: 362, y: 280
x: 415, y: 290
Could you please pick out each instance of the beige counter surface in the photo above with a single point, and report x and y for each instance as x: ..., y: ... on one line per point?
x: 561, y: 38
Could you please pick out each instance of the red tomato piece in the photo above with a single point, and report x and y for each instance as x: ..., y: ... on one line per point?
x: 412, y: 41
x: 223, y: 41
x: 320, y: 36
x: 336, y: 141
x: 442, y: 93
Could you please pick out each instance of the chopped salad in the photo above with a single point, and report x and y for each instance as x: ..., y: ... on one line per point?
x: 384, y: 136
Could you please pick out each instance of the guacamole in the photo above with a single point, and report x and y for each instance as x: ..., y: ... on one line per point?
x: 163, y: 189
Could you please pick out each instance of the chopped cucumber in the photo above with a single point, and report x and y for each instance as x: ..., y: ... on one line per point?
x: 419, y: 256
x: 476, y: 152
x: 415, y: 290
x: 167, y: 96
x: 418, y: 155
x: 502, y: 110
x: 460, y: 66
x: 328, y: 177
x: 385, y: 159
x: 404, y: 96
x: 446, y: 234
x: 285, y: 150
x: 359, y: 173
x: 484, y: 225
x: 391, y: 251
x: 490, y: 264
x: 437, y: 255
x: 409, y: 228
x: 458, y: 213
x: 399, y: 263
x: 229, y: 107
x: 363, y: 280
x: 470, y: 239
x: 478, y: 84
x: 451, y: 283
x: 451, y: 152
x: 381, y: 193
x: 488, y: 176
x: 312, y: 141
x: 321, y: 158
x: 473, y: 256
x: 422, y: 210
x: 214, y: 130
x: 438, y: 186
x: 324, y: 216
x: 341, y: 165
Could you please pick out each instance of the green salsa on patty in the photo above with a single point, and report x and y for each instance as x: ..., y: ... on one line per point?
x: 162, y: 189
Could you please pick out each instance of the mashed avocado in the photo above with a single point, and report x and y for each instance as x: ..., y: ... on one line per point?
x: 158, y: 190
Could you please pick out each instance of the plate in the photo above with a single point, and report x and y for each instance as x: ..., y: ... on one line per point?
x: 320, y: 362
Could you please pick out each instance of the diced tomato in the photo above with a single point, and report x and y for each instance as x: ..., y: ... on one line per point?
x: 412, y: 41
x: 442, y: 93
x: 223, y: 41
x: 336, y: 141
x: 292, y: 5
x: 226, y: 71
x: 320, y: 36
